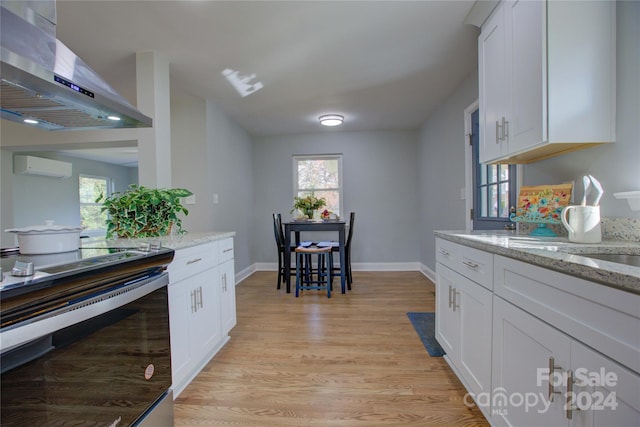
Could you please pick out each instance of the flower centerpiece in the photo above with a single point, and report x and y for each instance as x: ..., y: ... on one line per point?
x: 308, y: 204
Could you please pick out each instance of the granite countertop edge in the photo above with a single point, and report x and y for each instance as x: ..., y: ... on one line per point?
x: 557, y: 254
x: 174, y: 242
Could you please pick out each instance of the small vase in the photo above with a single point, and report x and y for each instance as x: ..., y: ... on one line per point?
x: 309, y: 213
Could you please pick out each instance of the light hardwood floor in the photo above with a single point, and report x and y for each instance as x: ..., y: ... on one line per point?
x: 352, y: 360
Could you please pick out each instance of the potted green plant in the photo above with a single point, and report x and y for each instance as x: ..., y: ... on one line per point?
x: 308, y: 204
x: 144, y: 212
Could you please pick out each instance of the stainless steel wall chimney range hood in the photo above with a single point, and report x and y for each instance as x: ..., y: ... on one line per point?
x: 43, y: 81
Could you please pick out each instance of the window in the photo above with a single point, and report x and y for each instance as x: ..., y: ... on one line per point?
x: 90, y: 187
x: 321, y: 175
x: 494, y: 187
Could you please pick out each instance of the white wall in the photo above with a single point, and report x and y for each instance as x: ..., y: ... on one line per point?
x: 442, y: 168
x: 230, y: 162
x: 380, y: 184
x: 212, y: 154
x: 29, y: 200
x: 617, y: 165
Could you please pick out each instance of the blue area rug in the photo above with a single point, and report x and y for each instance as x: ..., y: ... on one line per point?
x: 425, y: 326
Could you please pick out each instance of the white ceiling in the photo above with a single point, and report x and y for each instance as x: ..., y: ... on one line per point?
x: 381, y: 64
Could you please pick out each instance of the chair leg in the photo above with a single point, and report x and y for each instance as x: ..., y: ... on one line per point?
x: 348, y: 270
x: 298, y: 268
x: 329, y: 273
x: 280, y: 269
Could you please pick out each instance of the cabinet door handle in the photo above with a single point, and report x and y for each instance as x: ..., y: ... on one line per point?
x: 470, y: 264
x: 455, y: 299
x: 450, y: 298
x: 200, y: 296
x: 552, y: 368
x: 505, y: 129
x: 498, y: 126
x: 193, y: 261
x: 194, y: 305
x: 227, y: 250
x: 570, y: 398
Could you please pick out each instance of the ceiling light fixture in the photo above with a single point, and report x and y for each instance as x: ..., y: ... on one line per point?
x: 331, y: 120
x: 31, y: 121
x: 114, y: 118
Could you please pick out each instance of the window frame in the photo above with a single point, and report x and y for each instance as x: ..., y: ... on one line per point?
x: 305, y: 157
x: 109, y: 185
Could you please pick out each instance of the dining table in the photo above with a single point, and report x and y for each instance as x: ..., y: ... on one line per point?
x: 298, y: 226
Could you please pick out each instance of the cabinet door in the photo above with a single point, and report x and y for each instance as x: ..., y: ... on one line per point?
x: 475, y: 304
x: 611, y: 397
x: 493, y: 84
x: 205, y: 321
x: 447, y: 318
x: 525, y: 38
x: 522, y: 348
x: 181, y: 307
x: 227, y: 296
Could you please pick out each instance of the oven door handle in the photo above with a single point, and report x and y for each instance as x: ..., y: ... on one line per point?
x: 71, y: 314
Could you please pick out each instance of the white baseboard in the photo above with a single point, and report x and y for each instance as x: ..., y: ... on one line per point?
x: 241, y: 275
x: 429, y: 273
x: 362, y: 266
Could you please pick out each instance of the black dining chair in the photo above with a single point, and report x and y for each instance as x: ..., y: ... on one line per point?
x: 278, y: 233
x: 335, y: 247
x: 279, y: 236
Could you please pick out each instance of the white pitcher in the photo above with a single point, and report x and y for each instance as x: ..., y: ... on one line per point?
x: 583, y: 224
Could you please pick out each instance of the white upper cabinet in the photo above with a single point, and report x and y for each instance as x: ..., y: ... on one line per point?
x: 546, y: 79
x: 493, y: 87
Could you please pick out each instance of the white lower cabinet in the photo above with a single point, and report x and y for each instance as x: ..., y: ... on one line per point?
x: 201, y: 308
x: 535, y: 347
x: 523, y: 350
x: 227, y: 296
x: 612, y: 400
x: 194, y: 323
x: 463, y: 328
x: 586, y: 388
x: 463, y: 322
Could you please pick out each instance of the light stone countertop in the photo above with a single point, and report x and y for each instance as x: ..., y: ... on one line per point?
x: 172, y: 241
x: 557, y: 253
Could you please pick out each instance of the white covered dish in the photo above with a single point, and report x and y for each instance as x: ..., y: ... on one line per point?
x: 47, y: 238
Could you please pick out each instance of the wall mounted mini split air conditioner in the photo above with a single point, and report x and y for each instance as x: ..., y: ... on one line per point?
x: 31, y: 165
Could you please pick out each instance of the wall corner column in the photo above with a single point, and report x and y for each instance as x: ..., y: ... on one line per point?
x: 154, y: 144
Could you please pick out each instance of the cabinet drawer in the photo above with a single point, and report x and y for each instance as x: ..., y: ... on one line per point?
x: 225, y: 250
x: 193, y: 260
x: 604, y: 318
x: 472, y: 263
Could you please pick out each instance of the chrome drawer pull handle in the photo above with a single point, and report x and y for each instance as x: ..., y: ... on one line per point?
x: 470, y: 264
x: 227, y: 250
x: 193, y: 261
x: 443, y: 252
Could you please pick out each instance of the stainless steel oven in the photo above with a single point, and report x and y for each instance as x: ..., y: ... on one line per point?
x: 87, y: 343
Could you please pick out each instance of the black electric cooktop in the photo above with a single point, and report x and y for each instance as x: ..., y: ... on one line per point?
x: 49, y: 269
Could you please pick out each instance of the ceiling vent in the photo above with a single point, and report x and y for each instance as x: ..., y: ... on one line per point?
x: 30, y: 165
